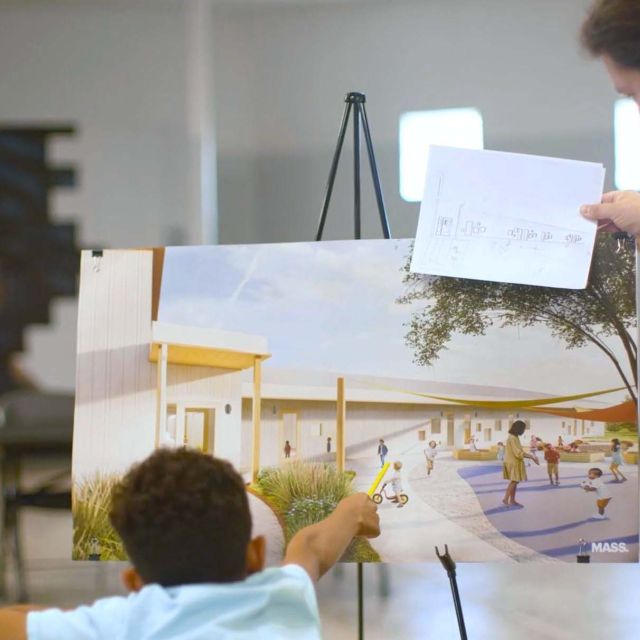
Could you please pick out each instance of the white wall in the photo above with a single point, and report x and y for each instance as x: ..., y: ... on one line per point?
x: 398, y: 424
x: 221, y: 387
x: 282, y: 71
x: 115, y: 411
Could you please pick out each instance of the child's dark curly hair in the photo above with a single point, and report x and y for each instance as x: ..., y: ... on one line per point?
x: 184, y: 518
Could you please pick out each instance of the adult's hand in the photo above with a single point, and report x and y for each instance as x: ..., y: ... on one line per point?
x: 618, y: 211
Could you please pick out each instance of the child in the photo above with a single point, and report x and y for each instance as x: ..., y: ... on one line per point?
x: 500, y: 446
x: 396, y: 483
x: 616, y: 460
x: 197, y: 573
x: 430, y: 454
x: 383, y: 450
x: 595, y: 484
x: 552, y: 456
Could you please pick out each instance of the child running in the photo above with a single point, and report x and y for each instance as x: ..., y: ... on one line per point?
x: 430, y: 454
x: 552, y: 456
x: 596, y: 485
x: 616, y: 460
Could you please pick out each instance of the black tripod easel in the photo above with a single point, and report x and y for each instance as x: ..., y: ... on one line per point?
x: 355, y: 101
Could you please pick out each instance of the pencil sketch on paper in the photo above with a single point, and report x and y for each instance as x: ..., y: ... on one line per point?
x: 483, y: 217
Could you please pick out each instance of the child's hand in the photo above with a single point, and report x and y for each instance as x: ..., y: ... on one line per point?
x: 366, y: 513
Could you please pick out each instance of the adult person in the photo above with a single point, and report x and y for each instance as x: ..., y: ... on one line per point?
x: 382, y: 451
x: 513, y: 465
x: 612, y: 32
x: 328, y: 444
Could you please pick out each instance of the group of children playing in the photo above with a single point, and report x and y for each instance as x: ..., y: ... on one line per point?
x: 594, y: 482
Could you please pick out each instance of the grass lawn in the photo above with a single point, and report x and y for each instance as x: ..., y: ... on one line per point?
x: 305, y: 493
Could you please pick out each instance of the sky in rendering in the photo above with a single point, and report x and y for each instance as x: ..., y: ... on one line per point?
x: 332, y: 306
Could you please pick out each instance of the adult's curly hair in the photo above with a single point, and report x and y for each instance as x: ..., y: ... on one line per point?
x: 184, y: 518
x: 612, y: 27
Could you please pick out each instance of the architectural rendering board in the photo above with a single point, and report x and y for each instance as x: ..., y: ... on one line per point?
x: 507, y: 217
x: 329, y: 361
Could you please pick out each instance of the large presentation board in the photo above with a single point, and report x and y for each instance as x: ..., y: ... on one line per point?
x: 299, y: 360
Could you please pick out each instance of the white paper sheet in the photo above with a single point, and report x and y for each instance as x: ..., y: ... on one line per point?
x: 507, y: 217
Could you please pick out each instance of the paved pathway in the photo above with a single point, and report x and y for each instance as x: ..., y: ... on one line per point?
x: 409, y: 534
x: 554, y: 518
x: 460, y: 504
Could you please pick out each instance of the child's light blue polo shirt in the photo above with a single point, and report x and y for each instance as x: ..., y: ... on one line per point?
x: 275, y: 603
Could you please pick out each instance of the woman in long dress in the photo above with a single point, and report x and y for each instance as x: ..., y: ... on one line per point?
x: 513, y: 465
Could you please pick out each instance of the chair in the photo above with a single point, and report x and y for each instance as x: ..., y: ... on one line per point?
x: 32, y: 424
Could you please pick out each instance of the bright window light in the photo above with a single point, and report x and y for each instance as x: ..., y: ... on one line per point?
x: 419, y: 129
x: 626, y: 127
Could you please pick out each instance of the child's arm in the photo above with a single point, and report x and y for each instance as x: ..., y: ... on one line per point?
x: 13, y: 621
x: 318, y: 547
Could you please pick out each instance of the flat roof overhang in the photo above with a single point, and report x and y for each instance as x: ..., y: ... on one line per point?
x: 195, y: 346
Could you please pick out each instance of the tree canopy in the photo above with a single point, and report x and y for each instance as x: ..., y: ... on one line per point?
x: 606, y: 309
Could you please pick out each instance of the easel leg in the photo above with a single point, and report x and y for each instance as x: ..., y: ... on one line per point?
x: 386, y: 229
x: 332, y: 171
x: 357, y: 234
x: 360, y: 601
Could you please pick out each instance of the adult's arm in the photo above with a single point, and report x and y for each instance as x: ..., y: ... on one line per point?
x: 618, y: 211
x: 318, y: 547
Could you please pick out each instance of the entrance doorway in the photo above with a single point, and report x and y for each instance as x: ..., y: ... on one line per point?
x: 199, y: 429
x: 450, y: 430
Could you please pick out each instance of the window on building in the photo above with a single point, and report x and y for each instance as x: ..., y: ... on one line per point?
x: 626, y: 128
x: 419, y: 129
x: 498, y: 425
x: 435, y: 425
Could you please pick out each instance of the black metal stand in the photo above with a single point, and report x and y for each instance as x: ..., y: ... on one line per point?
x: 360, y: 601
x: 356, y: 102
x: 450, y: 567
